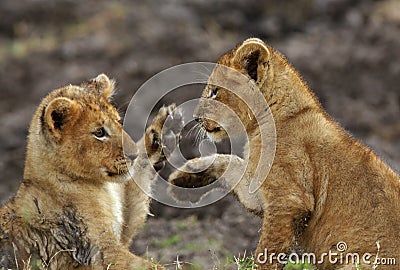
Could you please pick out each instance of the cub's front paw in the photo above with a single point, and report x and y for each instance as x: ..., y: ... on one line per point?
x: 195, y: 173
x: 162, y: 136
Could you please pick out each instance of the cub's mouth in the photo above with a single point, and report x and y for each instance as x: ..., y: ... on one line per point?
x: 215, y: 129
x: 118, y: 176
x: 209, y: 125
x: 112, y: 174
x: 119, y: 170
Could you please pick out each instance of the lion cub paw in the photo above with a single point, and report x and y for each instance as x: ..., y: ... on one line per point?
x: 162, y: 136
x: 194, y: 173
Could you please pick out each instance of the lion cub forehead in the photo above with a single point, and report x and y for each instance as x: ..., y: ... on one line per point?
x: 90, y: 101
x: 100, y: 106
x: 100, y: 88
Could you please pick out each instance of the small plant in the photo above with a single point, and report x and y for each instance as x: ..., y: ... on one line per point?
x: 169, y: 241
x: 298, y: 266
x: 109, y: 265
x: 245, y: 263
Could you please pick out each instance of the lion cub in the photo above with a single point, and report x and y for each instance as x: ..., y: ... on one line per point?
x: 325, y: 190
x: 78, y: 206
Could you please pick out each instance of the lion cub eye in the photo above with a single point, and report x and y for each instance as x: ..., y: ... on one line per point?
x: 100, y: 133
x: 213, y: 92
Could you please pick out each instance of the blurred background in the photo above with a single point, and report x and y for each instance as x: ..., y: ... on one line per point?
x: 347, y: 50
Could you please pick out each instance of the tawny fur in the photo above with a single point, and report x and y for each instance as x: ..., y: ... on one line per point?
x: 78, y: 207
x: 324, y: 186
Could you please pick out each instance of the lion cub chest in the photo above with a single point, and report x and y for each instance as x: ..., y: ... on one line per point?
x: 115, y: 200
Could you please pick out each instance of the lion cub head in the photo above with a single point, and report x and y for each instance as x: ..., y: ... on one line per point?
x: 244, y: 67
x: 76, y: 135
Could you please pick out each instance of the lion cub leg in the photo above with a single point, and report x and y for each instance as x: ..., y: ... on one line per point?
x: 286, y: 215
x: 152, y: 153
x: 283, y: 210
x: 119, y: 258
x: 202, y: 171
x: 229, y: 169
x: 277, y: 237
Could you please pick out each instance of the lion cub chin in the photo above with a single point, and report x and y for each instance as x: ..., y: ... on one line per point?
x: 324, y: 188
x: 78, y: 206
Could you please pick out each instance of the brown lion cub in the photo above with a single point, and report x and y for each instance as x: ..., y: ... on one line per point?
x: 325, y: 192
x: 78, y: 207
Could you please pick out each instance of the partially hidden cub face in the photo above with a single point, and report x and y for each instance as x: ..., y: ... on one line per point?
x: 83, y: 134
x: 241, y: 68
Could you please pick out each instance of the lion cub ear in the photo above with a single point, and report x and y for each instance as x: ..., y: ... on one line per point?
x: 251, y: 57
x: 59, y: 114
x: 103, y: 85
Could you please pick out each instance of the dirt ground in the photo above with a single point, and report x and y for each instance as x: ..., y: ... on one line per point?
x: 347, y: 50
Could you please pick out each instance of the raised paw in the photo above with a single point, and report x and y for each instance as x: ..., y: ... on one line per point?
x: 190, y: 180
x: 162, y: 136
x: 196, y: 172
